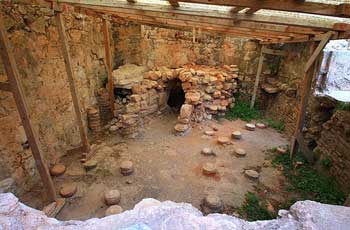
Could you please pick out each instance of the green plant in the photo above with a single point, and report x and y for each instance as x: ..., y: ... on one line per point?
x: 278, y: 125
x: 327, y: 162
x: 243, y: 111
x: 307, y: 182
x: 343, y: 106
x: 253, y: 209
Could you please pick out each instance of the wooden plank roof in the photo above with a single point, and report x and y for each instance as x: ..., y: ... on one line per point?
x: 295, y: 20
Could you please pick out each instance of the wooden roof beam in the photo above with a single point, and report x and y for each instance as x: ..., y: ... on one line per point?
x: 340, y: 10
x: 252, y: 10
x: 197, y: 14
x: 236, y: 9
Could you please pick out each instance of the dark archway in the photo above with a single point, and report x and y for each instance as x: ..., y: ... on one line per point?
x: 176, y: 94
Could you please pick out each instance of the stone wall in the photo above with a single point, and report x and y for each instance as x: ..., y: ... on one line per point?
x: 175, y: 48
x: 34, y: 37
x: 283, y: 103
x: 127, y: 40
x: 334, y: 144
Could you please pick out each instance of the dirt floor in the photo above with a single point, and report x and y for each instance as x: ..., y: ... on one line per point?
x: 168, y: 167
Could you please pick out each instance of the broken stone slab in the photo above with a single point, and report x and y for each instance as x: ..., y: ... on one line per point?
x: 113, y: 210
x: 252, y: 174
x: 209, y: 169
x: 181, y: 127
x: 250, y: 127
x: 126, y: 168
x: 271, y: 90
x: 112, y: 197
x: 208, y: 152
x: 68, y: 190
x: 236, y: 135
x: 57, y: 170
x: 240, y: 152
x: 224, y: 140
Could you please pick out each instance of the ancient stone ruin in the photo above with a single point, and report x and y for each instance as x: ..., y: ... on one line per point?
x: 155, y: 114
x: 197, y: 92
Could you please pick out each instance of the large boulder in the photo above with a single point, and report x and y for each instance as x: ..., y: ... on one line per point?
x: 128, y: 75
x: 153, y: 214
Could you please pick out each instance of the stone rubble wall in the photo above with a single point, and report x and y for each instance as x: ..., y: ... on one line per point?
x: 153, y: 214
x: 34, y: 37
x: 284, y: 104
x: 334, y: 143
x: 208, y: 91
x: 156, y: 47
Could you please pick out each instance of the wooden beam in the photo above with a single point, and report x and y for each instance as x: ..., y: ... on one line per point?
x: 305, y: 93
x: 318, y: 50
x: 252, y: 10
x: 195, y: 14
x: 109, y: 63
x: 257, y: 79
x: 339, y: 10
x: 70, y: 76
x: 274, y: 52
x: 5, y: 86
x: 237, y: 9
x: 18, y: 94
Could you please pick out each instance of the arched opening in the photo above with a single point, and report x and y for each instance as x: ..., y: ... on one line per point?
x: 176, y: 94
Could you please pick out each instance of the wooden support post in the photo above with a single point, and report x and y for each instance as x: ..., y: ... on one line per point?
x: 69, y: 69
x: 16, y: 88
x: 257, y: 79
x: 306, y: 89
x: 109, y: 63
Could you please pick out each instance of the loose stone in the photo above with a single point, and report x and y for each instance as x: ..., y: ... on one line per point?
x: 223, y: 140
x: 240, y: 152
x: 212, y: 204
x: 260, y: 125
x: 209, y: 133
x: 250, y: 127
x: 213, y: 201
x: 112, y: 197
x: 68, y: 190
x: 236, y: 135
x: 90, y: 164
x: 281, y: 150
x: 252, y: 174
x: 209, y: 169
x: 114, y: 209
x: 126, y: 168
x: 57, y: 170
x: 207, y: 151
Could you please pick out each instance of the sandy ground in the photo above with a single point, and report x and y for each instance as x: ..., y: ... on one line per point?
x: 168, y: 167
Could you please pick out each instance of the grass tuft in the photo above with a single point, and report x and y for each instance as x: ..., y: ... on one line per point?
x: 253, y: 209
x: 242, y: 111
x: 307, y: 182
